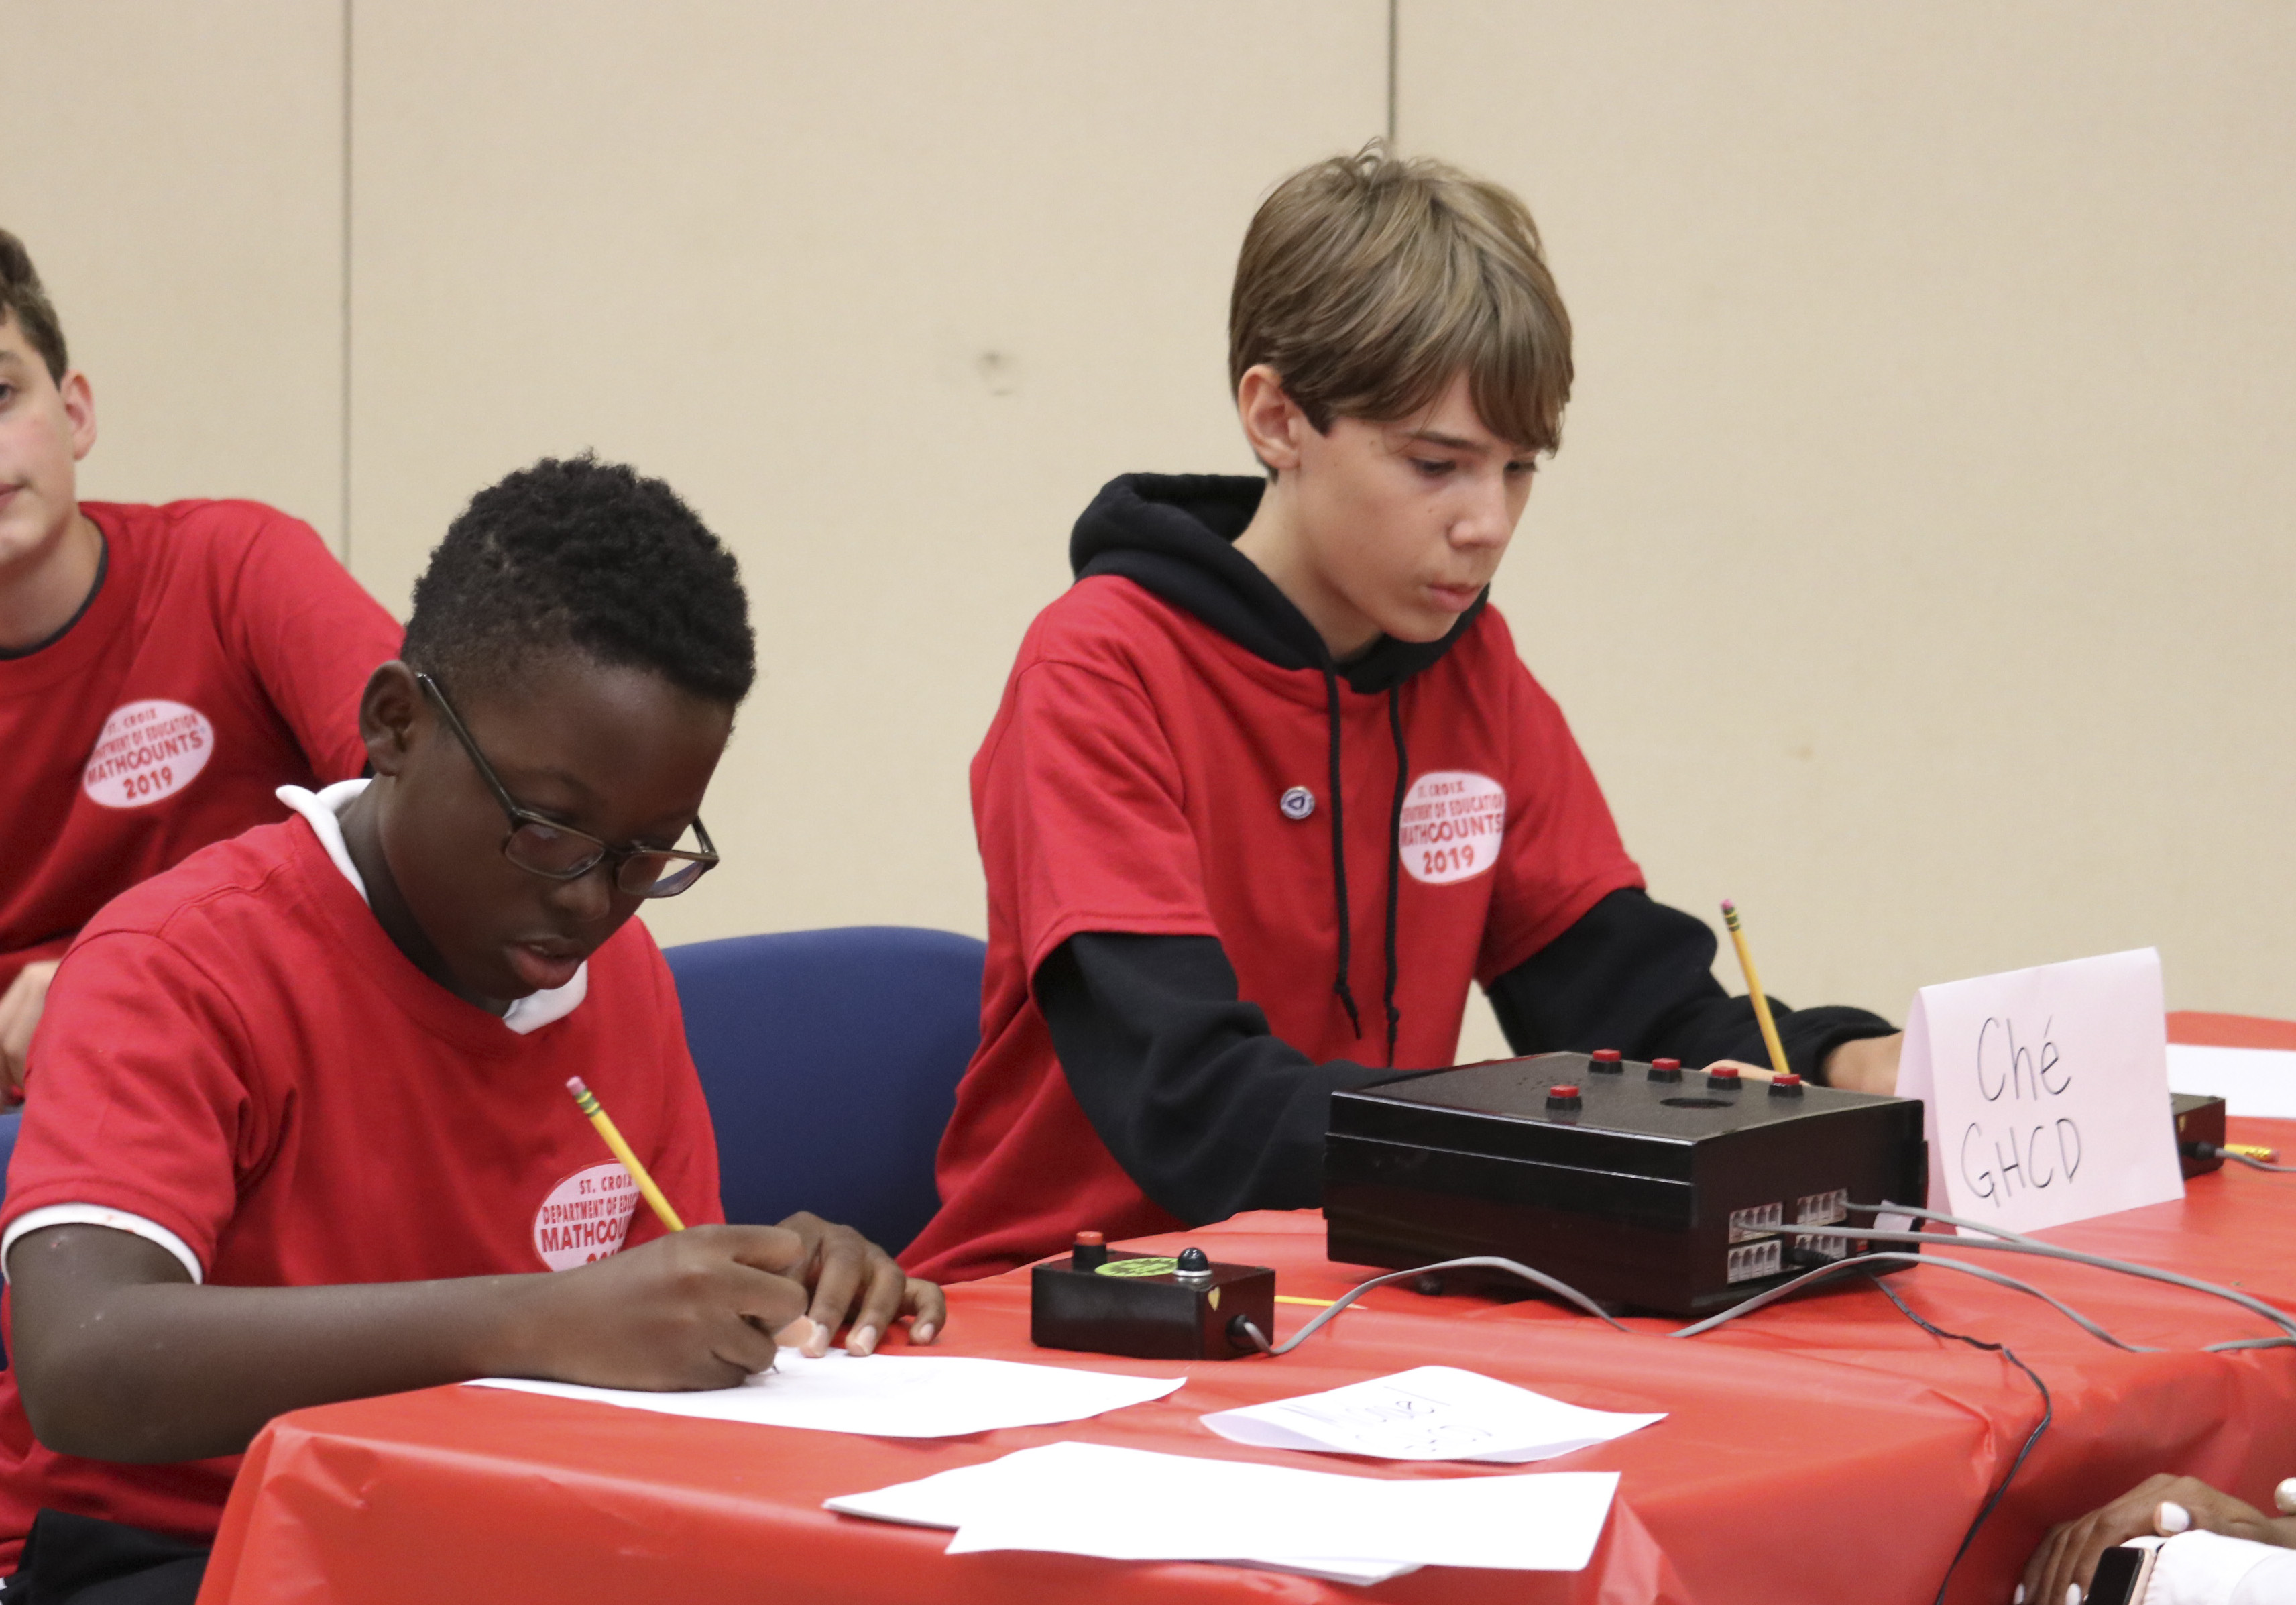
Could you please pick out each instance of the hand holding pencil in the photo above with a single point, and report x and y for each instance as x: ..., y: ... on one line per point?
x: 1864, y: 1065
x: 849, y: 1276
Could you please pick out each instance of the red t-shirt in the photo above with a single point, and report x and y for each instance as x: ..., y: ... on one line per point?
x: 235, y: 1051
x: 1133, y: 781
x: 222, y: 657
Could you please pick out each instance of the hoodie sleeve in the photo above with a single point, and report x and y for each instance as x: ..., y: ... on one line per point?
x: 1211, y: 1114
x: 1636, y: 976
x: 1208, y: 1112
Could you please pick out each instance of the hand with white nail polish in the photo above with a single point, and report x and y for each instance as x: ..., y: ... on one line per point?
x: 853, y: 1279
x: 2065, y: 1565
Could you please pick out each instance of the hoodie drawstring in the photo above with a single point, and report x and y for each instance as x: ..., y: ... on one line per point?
x: 1395, y: 859
x: 1339, y: 855
x: 1339, y: 982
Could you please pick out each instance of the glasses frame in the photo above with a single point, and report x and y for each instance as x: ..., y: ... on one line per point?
x: 521, y: 816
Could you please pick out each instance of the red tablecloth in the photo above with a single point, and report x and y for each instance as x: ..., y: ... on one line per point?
x: 1825, y: 1449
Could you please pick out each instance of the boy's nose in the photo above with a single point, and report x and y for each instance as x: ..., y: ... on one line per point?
x: 588, y: 897
x: 1488, y: 518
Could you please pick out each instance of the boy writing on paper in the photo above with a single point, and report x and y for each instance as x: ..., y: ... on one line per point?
x: 163, y: 670
x: 1269, y: 786
x: 303, y: 1133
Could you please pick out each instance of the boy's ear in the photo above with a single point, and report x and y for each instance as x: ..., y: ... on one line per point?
x: 1273, y: 423
x: 390, y: 709
x: 79, y: 406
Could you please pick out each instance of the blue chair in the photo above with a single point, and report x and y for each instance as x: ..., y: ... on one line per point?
x: 830, y: 1060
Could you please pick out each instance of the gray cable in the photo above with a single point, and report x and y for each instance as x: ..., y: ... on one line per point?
x: 2103, y: 1261
x: 1772, y: 1294
x: 1999, y: 1240
x: 1474, y: 1262
x: 1259, y: 1339
x: 1996, y: 1238
x: 2211, y: 1149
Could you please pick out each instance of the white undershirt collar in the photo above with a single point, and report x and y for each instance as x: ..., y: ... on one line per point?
x: 323, y: 809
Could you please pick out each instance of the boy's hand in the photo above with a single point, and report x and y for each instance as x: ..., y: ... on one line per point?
x: 693, y: 1310
x: 1867, y: 1064
x: 842, y: 1267
x: 20, y: 1010
x: 2164, y: 1505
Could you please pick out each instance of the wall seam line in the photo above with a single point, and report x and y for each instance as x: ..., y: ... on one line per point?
x: 343, y: 402
x: 1394, y: 30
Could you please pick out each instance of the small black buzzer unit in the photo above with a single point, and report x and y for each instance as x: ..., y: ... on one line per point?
x: 1149, y: 1306
x: 1642, y: 1185
x: 2199, y: 1131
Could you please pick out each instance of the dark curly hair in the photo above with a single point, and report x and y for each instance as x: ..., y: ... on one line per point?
x: 588, y: 554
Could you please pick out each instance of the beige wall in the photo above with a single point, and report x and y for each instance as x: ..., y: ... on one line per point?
x: 1918, y: 568
x: 888, y: 291
x: 1914, y: 570
x: 176, y: 171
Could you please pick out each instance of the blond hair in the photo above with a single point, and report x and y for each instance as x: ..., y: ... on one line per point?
x: 1368, y: 282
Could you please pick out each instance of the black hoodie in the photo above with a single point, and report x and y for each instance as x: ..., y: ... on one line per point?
x: 1208, y: 1112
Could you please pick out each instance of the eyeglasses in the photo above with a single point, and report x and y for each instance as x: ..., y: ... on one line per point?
x: 556, y: 852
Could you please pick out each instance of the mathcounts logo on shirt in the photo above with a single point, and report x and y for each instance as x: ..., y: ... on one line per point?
x: 147, y: 750
x: 1453, y: 820
x: 586, y: 1217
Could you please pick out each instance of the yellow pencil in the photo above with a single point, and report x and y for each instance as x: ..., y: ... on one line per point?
x: 1778, y: 1064
x: 586, y: 1101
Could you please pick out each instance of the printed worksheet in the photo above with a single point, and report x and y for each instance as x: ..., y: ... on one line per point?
x: 1435, y: 1412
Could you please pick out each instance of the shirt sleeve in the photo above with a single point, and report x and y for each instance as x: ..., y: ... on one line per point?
x: 1207, y: 1110
x: 312, y: 635
x: 142, y: 1104
x: 1082, y: 799
x: 2209, y: 1569
x: 1636, y: 976
x: 1562, y: 853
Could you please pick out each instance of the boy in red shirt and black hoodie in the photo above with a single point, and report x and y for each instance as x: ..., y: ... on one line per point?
x: 302, y: 1131
x: 163, y: 670
x: 1269, y: 786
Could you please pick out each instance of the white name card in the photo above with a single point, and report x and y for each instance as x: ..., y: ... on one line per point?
x: 2046, y: 1091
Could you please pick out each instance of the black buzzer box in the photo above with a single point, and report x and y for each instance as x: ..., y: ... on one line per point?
x: 2199, y: 1131
x: 1150, y: 1307
x: 1652, y: 1188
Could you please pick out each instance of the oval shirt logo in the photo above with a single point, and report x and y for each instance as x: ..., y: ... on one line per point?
x: 586, y: 1217
x: 1453, y: 822
x: 147, y: 751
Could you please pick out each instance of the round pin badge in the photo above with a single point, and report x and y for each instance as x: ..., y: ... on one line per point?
x: 1297, y: 803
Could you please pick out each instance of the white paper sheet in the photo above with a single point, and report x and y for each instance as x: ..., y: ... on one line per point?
x: 1130, y: 1504
x: 888, y: 1395
x: 2044, y: 1092
x: 2251, y: 1081
x: 950, y: 1499
x: 1435, y: 1412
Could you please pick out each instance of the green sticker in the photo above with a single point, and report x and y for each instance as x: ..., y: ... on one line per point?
x: 1146, y: 1264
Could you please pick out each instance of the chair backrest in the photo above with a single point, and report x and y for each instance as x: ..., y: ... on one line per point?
x: 830, y: 1060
